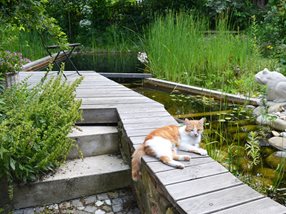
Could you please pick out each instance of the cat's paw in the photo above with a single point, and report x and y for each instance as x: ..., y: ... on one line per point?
x: 180, y: 166
x: 187, y: 158
x: 203, y: 152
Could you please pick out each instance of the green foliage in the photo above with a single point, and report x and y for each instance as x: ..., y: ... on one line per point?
x: 239, y: 11
x: 30, y: 14
x: 180, y: 50
x: 253, y: 149
x: 34, y: 126
x: 11, y: 62
x: 273, y: 31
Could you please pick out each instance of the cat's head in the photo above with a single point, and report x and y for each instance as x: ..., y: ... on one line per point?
x: 194, y: 127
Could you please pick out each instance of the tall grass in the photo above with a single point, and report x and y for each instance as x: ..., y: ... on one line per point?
x: 180, y: 49
x: 28, y: 43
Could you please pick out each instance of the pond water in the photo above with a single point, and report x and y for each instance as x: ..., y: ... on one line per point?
x: 231, y: 135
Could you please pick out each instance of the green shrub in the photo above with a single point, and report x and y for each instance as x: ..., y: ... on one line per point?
x: 34, y: 125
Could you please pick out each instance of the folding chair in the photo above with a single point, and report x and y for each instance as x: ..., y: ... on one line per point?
x: 60, y: 51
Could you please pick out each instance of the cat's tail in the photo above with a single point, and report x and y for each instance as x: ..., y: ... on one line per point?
x: 136, y: 162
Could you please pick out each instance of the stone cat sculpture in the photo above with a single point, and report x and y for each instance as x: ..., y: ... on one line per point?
x: 276, y: 85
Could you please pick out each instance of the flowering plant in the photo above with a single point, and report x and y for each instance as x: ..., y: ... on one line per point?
x: 11, y: 62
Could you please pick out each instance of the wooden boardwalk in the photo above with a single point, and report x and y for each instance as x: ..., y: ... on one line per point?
x: 204, y: 186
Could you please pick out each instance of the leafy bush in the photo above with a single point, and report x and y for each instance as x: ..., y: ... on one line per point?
x: 11, y: 62
x: 34, y: 125
x: 273, y: 30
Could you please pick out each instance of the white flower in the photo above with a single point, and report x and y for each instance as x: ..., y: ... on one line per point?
x: 142, y: 57
x: 84, y: 23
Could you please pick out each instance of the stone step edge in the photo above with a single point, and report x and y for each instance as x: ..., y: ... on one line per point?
x: 92, y: 175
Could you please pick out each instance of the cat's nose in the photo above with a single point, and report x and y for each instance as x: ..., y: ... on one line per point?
x: 196, y: 134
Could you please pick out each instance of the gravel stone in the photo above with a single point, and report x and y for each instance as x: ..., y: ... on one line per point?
x: 76, y: 203
x: 108, y: 202
x: 99, y: 212
x: 115, y: 202
x: 117, y: 207
x: 90, y: 199
x: 99, y: 203
x: 102, y: 196
x: 90, y: 209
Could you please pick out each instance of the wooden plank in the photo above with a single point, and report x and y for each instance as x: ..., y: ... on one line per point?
x: 219, y: 200
x: 144, y: 114
x: 115, y: 100
x: 261, y: 206
x: 160, y: 167
x: 127, y: 75
x: 115, y: 94
x: 121, y: 106
x: 201, y: 186
x: 152, y: 125
x: 155, y: 107
x: 156, y: 118
x: 189, y: 173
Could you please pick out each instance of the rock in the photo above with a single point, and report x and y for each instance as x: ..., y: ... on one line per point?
x: 112, y: 194
x: 275, y: 122
x: 259, y: 111
x: 275, y: 133
x: 278, y: 142
x: 90, y: 209
x: 76, y: 203
x: 117, y: 207
x: 90, y: 199
x: 263, y: 143
x: 237, y: 151
x: 250, y: 107
x: 283, y: 134
x: 273, y: 161
x: 102, y: 196
x: 267, y: 173
x: 99, y: 203
x: 99, y: 212
x: 243, y: 164
x: 277, y: 107
x: 106, y: 208
x: 266, y: 151
x: 240, y: 136
x: 280, y: 154
x: 108, y: 202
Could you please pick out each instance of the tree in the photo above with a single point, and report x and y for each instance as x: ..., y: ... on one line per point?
x: 30, y: 15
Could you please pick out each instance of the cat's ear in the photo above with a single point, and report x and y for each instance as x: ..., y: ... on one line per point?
x: 187, y: 121
x: 202, y: 120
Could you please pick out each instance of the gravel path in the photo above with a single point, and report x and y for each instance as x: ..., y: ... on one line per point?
x: 116, y: 202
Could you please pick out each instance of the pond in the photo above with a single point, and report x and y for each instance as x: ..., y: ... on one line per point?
x: 231, y: 134
x: 231, y: 137
x: 107, y: 62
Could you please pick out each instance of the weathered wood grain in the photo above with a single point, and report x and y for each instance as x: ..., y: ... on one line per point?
x: 216, y: 201
x: 188, y: 173
x: 201, y: 186
x: 261, y: 206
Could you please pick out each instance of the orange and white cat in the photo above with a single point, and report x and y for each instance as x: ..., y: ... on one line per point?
x: 163, y: 143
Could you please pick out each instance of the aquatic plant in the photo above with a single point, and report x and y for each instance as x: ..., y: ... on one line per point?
x: 253, y: 149
x: 182, y: 48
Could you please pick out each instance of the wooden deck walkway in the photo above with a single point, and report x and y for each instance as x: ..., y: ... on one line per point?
x: 204, y: 186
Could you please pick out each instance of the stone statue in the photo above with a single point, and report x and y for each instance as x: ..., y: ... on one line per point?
x: 276, y: 85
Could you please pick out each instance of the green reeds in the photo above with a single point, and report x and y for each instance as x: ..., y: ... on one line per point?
x: 181, y: 48
x: 28, y: 43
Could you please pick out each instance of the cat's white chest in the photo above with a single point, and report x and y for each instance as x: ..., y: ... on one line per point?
x: 186, y: 139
